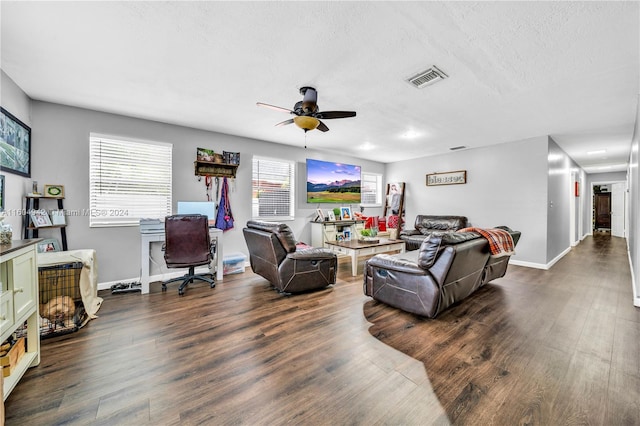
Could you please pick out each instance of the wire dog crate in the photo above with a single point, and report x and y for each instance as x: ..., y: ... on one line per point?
x: 61, y: 307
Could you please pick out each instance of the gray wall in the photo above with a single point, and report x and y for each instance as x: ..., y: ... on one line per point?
x: 14, y: 100
x: 559, y: 197
x: 634, y: 207
x: 61, y: 156
x: 506, y: 185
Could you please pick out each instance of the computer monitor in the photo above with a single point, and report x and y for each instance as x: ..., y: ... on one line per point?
x: 207, y: 208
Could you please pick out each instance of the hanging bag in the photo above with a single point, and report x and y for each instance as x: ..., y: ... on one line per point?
x: 224, y: 219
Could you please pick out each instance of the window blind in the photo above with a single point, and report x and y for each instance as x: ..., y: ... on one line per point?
x: 371, y: 191
x: 128, y: 180
x: 273, y: 189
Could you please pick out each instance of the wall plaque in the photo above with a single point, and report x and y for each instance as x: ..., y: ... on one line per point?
x: 448, y: 178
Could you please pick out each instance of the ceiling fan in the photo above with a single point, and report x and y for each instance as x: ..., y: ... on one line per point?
x: 307, y: 114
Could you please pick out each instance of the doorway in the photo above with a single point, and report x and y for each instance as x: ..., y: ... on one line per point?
x: 609, y: 208
x: 602, y: 211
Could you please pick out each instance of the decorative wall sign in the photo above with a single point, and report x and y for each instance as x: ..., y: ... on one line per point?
x: 448, y: 178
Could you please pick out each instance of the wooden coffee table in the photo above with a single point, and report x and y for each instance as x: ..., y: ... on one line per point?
x: 357, y: 249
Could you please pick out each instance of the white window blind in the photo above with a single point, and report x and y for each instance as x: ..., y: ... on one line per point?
x: 273, y: 189
x: 128, y: 180
x: 371, y: 192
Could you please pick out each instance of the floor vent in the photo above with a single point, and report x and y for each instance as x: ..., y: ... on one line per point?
x: 427, y: 77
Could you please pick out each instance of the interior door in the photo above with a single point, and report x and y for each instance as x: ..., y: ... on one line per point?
x: 617, y: 209
x: 602, y: 206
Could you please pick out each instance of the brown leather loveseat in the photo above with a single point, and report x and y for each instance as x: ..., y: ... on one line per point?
x: 273, y: 255
x: 447, y: 268
x: 428, y: 224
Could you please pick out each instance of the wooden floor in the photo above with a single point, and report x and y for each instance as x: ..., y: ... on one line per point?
x: 536, y: 347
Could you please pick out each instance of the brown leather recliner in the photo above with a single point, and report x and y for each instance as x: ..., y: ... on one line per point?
x: 428, y: 224
x: 446, y: 269
x: 273, y: 255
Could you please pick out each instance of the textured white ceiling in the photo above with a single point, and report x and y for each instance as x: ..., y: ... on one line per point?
x: 516, y: 69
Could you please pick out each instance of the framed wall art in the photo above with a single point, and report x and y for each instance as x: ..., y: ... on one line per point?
x: 1, y: 193
x: 15, y: 143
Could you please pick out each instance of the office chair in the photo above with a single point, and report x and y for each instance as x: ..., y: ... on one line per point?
x: 187, y: 244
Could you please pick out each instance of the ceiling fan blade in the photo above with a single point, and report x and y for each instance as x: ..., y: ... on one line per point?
x: 322, y: 127
x: 277, y: 108
x: 285, y: 122
x: 335, y: 114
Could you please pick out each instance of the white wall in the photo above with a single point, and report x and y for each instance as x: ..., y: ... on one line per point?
x: 14, y: 100
x: 61, y: 156
x: 506, y: 185
x: 634, y: 208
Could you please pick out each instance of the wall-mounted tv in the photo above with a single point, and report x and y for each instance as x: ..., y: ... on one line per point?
x: 329, y: 182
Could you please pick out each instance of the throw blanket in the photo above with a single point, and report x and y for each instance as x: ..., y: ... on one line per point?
x: 500, y: 241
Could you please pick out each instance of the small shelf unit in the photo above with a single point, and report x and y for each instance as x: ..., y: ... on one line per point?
x: 210, y: 168
x: 32, y: 202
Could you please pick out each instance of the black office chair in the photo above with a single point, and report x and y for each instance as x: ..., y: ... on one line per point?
x: 187, y: 244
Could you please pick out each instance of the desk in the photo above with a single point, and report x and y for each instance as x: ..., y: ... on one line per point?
x: 355, y: 249
x: 158, y: 236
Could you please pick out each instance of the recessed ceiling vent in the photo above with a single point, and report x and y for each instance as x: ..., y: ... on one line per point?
x: 455, y: 148
x: 427, y: 77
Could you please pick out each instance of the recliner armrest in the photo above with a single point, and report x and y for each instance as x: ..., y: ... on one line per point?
x: 311, y: 254
x: 410, y: 232
x: 396, y: 263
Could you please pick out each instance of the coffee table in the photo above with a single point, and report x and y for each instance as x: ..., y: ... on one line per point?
x: 356, y: 249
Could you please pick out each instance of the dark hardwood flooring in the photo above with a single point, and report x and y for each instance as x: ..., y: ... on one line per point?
x: 536, y: 347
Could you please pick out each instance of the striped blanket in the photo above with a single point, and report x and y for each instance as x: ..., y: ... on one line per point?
x: 500, y: 241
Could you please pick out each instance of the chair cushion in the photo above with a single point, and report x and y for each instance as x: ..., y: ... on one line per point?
x: 281, y: 230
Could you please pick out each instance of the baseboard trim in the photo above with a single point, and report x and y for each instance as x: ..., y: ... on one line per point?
x: 540, y: 265
x: 153, y: 278
x: 634, y: 282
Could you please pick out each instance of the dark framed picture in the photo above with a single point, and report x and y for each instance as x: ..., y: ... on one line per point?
x: 15, y: 143
x: 1, y: 193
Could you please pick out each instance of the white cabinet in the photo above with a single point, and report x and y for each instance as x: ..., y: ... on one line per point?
x: 321, y: 232
x: 19, y: 303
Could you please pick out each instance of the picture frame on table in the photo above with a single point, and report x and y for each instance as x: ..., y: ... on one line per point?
x: 53, y: 191
x: 345, y: 213
x: 15, y: 138
x: 57, y: 217
x: 50, y: 244
x: 331, y: 215
x: 40, y: 218
x: 320, y: 214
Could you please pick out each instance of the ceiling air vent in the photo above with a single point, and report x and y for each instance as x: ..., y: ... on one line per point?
x: 455, y: 148
x: 427, y: 77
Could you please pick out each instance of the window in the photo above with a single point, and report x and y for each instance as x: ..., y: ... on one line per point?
x: 371, y: 191
x: 128, y: 180
x: 273, y: 189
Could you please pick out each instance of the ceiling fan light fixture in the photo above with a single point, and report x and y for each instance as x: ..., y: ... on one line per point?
x: 306, y: 123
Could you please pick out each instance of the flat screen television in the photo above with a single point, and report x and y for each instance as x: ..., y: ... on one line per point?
x: 329, y: 182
